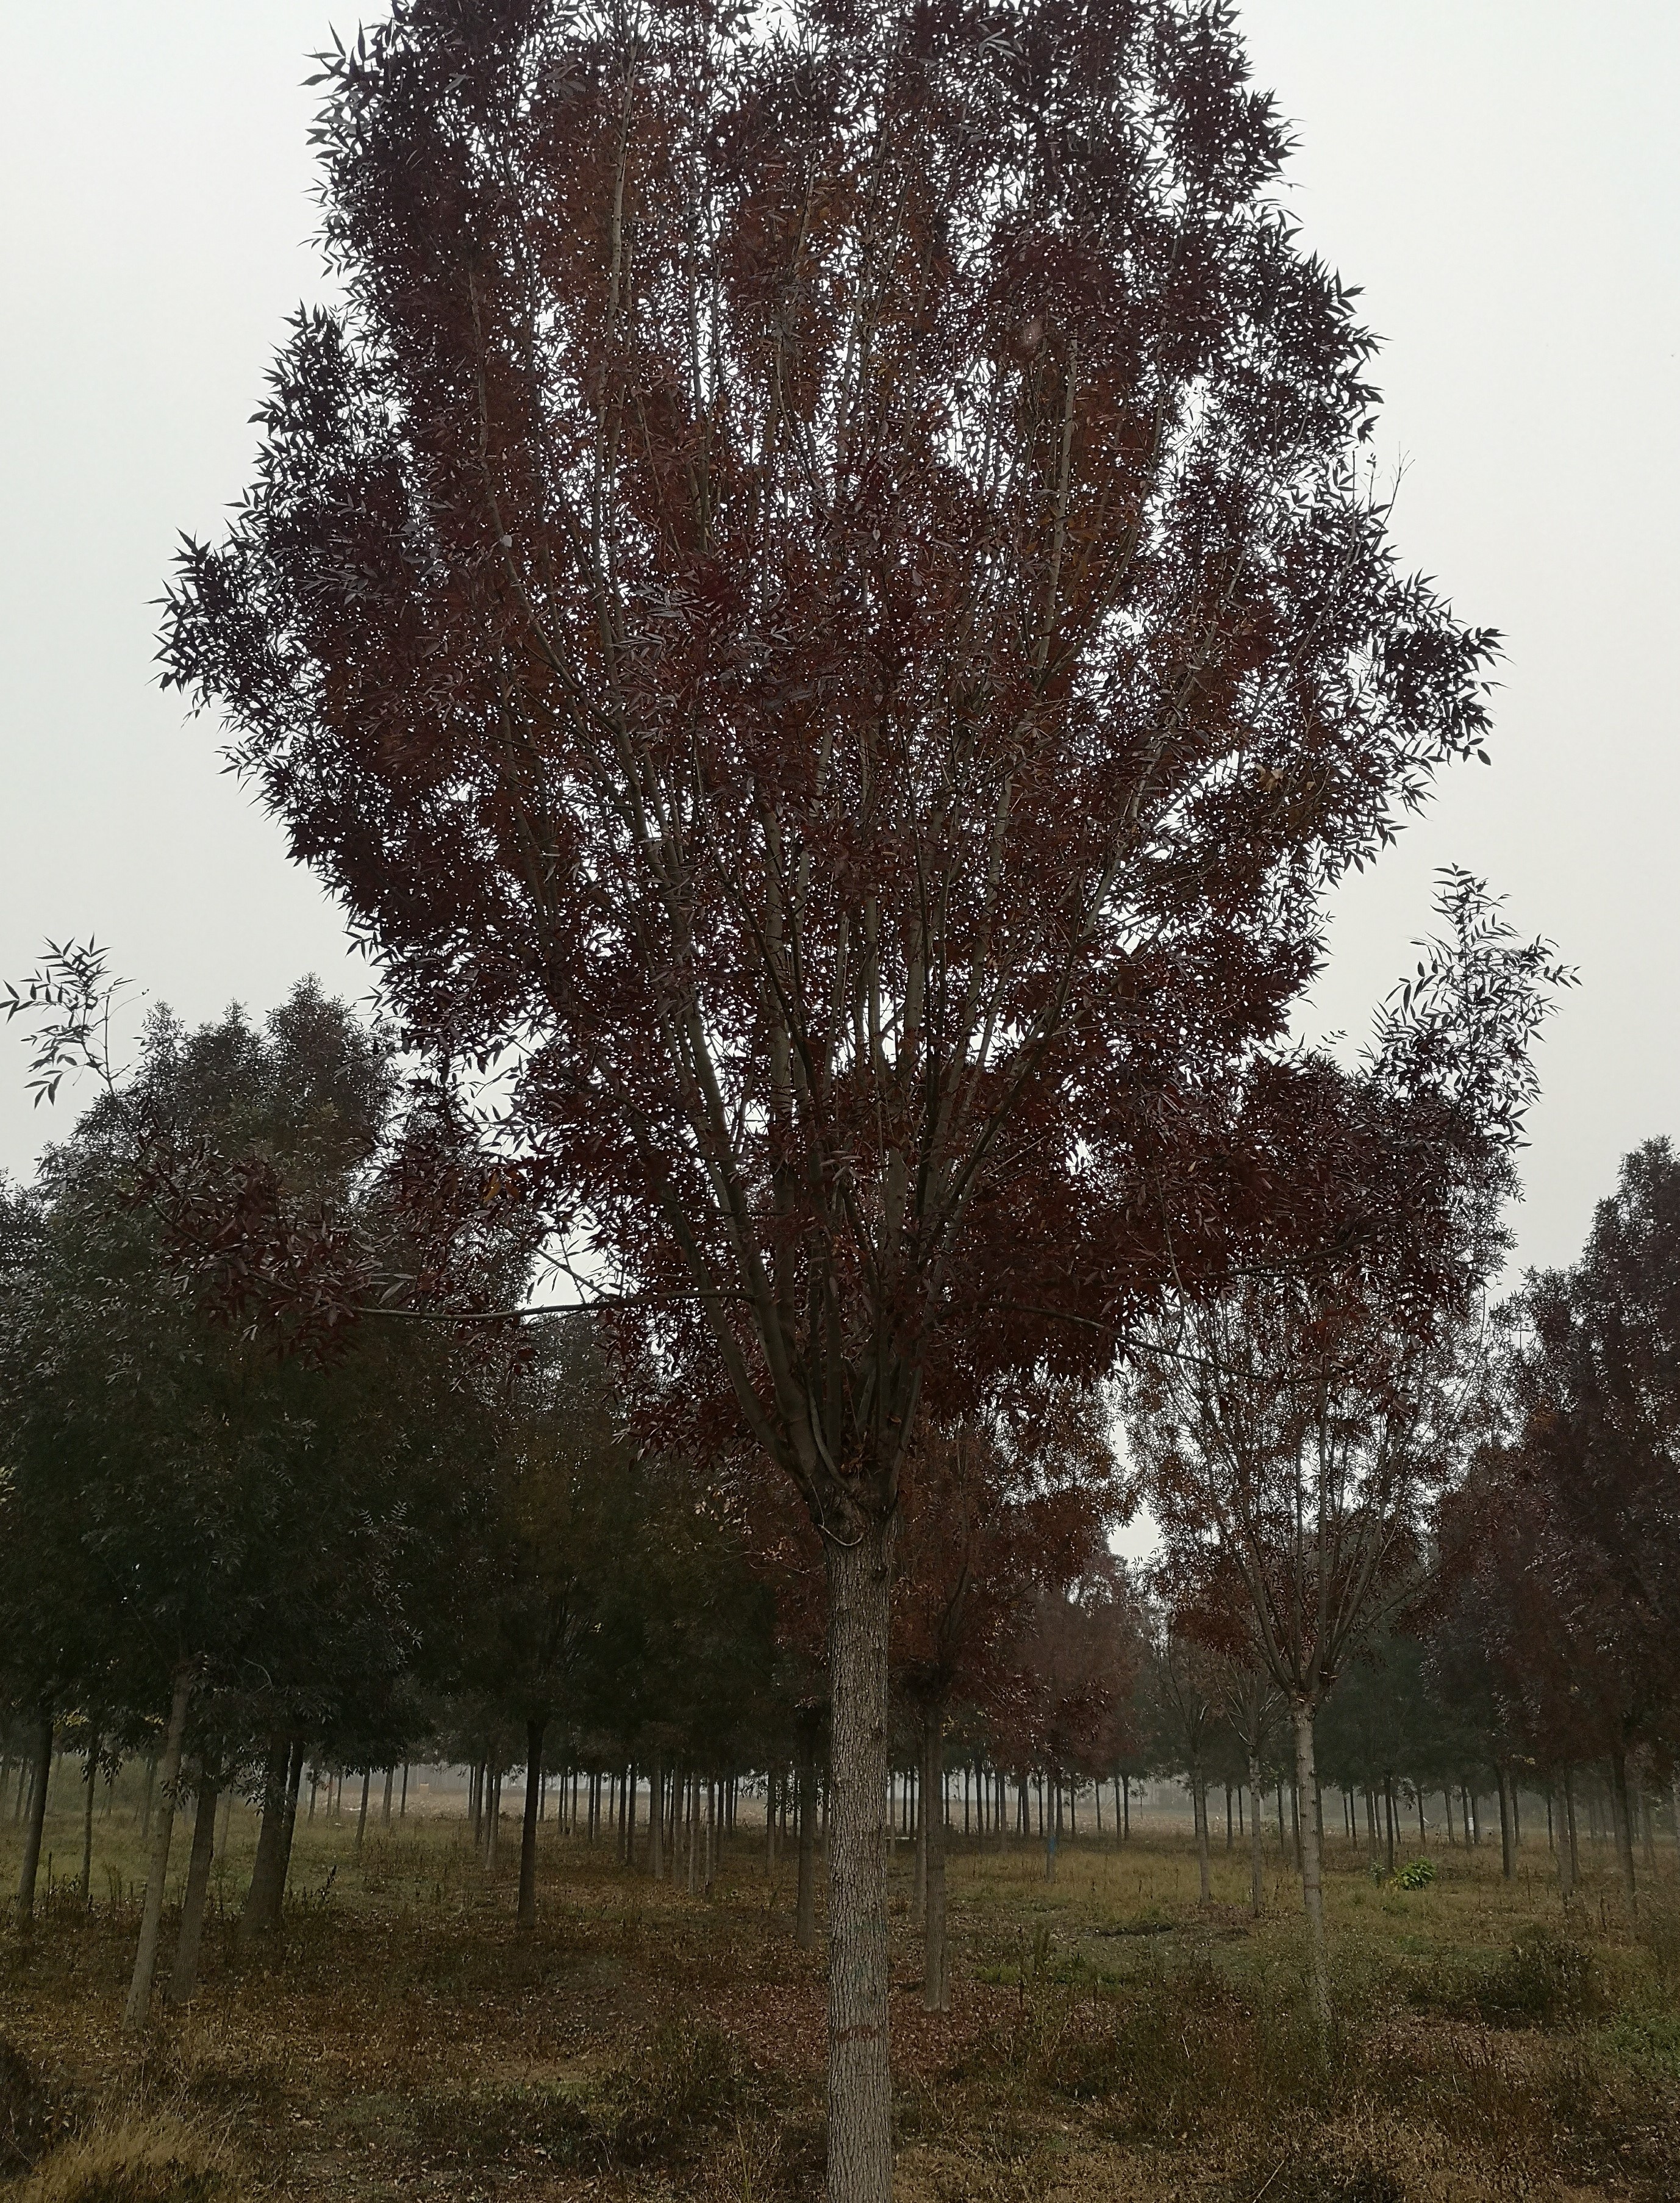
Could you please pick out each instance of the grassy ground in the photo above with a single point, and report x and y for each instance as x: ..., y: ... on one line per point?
x: 1109, y: 2037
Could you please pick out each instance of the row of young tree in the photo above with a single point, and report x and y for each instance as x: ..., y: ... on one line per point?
x: 514, y: 1545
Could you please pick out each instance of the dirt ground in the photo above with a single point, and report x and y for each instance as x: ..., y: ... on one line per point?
x: 1109, y: 2037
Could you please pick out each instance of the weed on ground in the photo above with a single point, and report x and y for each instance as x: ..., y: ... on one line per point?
x: 1109, y: 2036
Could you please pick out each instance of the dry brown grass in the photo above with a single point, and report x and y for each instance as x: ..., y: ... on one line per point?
x: 1108, y: 2039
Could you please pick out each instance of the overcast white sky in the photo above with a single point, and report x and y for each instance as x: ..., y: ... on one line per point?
x: 1499, y: 175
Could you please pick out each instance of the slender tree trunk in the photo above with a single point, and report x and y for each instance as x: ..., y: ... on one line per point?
x: 527, y: 1834
x: 403, y: 1808
x: 361, y: 1816
x: 1313, y: 1887
x: 41, y: 1771
x: 918, y: 1902
x: 656, y: 1818
x: 860, y: 2082
x: 294, y: 1780
x: 1568, y: 1873
x: 935, y: 1979
x: 87, y: 1822
x: 151, y: 1918
x: 1257, y: 1865
x: 1198, y: 1810
x: 1507, y: 1859
x: 145, y: 1809
x: 184, y: 1979
x: 385, y: 1808
x: 260, y: 1909
x: 1621, y: 1815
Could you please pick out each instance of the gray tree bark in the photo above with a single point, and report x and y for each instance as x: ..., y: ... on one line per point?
x: 1257, y: 1870
x: 185, y: 1977
x: 860, y: 2082
x: 138, y: 2005
x: 1312, y: 1885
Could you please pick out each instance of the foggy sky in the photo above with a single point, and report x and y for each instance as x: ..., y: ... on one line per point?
x: 1499, y: 175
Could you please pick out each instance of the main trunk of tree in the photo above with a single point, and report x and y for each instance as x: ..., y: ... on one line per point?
x: 527, y: 1834
x: 184, y: 1979
x: 1256, y: 1867
x: 1312, y: 1883
x: 87, y: 1821
x: 151, y: 1918
x: 1621, y: 1814
x: 1198, y: 1814
x: 860, y: 2081
x: 261, y: 1905
x: 935, y: 1983
x: 40, y: 1775
x: 1507, y: 1849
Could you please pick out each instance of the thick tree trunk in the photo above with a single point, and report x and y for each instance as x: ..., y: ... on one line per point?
x: 1622, y: 1816
x: 1257, y: 1865
x: 528, y: 1833
x: 1313, y: 1886
x: 151, y: 1918
x: 935, y: 1982
x: 184, y: 1979
x: 860, y: 2081
x: 262, y: 1907
x: 40, y: 1772
x: 804, y: 1909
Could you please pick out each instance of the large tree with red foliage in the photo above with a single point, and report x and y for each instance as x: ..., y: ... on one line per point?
x: 814, y: 600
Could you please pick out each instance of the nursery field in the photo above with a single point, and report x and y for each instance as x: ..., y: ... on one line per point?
x: 1109, y: 2036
